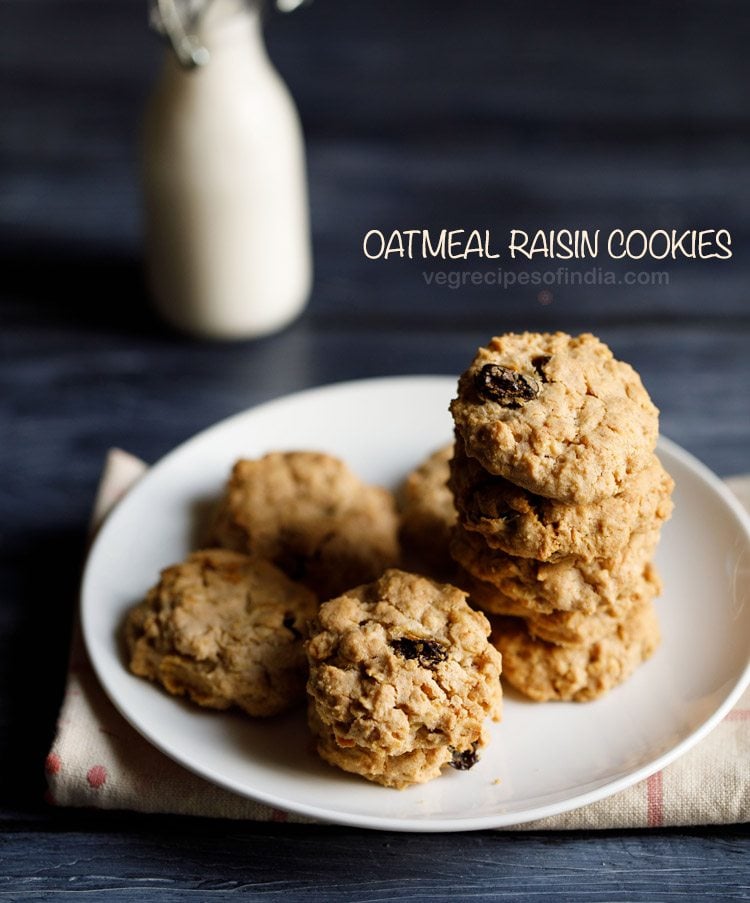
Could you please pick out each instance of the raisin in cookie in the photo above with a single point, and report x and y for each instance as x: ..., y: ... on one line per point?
x: 567, y: 628
x: 427, y: 515
x: 402, y: 678
x: 570, y: 584
x: 225, y: 630
x: 556, y: 415
x: 544, y: 671
x: 531, y: 526
x: 312, y: 517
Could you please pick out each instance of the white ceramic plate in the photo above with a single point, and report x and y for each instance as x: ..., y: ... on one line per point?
x: 548, y: 758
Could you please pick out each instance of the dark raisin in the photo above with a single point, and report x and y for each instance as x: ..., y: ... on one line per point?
x: 293, y: 564
x: 538, y: 506
x: 507, y: 387
x: 427, y: 652
x: 289, y: 624
x: 464, y: 759
x: 539, y: 363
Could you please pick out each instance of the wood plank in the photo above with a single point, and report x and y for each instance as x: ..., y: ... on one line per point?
x: 166, y: 861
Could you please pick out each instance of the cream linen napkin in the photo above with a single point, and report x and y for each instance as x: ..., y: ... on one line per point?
x: 98, y: 760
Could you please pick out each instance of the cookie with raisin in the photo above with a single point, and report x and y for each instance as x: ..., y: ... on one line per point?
x: 402, y: 680
x: 555, y: 414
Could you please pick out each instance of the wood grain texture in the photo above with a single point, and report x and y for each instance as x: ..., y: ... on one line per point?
x: 162, y: 860
x: 426, y: 114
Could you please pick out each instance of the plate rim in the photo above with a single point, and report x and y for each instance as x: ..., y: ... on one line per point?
x: 380, y: 822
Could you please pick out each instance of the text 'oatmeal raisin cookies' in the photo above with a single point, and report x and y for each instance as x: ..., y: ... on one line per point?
x: 402, y: 679
x: 312, y: 517
x: 556, y: 415
x: 225, y: 630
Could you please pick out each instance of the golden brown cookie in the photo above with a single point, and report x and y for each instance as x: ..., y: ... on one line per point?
x: 414, y: 767
x: 312, y: 517
x: 556, y: 415
x: 545, y: 672
x: 402, y: 678
x: 566, y: 628
x: 531, y: 526
x: 427, y: 515
x: 566, y: 585
x: 225, y: 630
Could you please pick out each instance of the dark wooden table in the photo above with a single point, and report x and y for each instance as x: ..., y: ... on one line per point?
x: 512, y: 115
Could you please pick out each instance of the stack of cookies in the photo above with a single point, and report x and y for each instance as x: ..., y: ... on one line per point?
x: 560, y: 500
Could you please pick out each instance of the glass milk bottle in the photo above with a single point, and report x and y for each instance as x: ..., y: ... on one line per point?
x: 225, y: 197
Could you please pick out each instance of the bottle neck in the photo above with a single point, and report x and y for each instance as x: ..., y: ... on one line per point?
x: 230, y: 22
x: 232, y: 34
